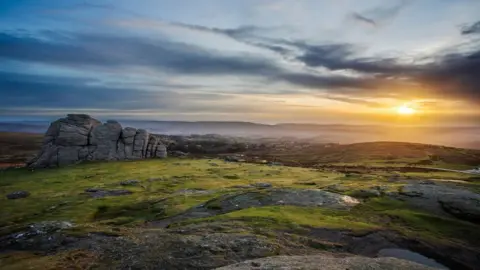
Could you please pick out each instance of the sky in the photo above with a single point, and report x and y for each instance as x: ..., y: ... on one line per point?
x: 267, y: 61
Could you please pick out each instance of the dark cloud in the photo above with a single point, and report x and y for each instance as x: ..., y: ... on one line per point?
x: 360, y: 18
x: 381, y: 14
x: 328, y: 83
x: 453, y: 75
x: 471, y: 29
x: 109, y: 51
x: 36, y: 91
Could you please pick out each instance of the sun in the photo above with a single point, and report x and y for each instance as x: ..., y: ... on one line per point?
x: 405, y: 110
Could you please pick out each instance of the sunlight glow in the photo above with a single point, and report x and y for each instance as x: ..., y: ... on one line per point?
x: 405, y: 110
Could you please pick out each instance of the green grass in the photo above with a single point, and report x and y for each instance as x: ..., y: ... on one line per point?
x: 290, y: 217
x: 58, y: 194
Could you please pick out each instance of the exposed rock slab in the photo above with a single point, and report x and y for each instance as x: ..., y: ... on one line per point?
x: 295, y: 197
x: 315, y: 262
x: 172, y: 251
x: 78, y: 137
x: 461, y: 203
x: 267, y: 197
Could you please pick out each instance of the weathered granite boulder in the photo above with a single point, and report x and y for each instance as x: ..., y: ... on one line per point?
x: 78, y: 137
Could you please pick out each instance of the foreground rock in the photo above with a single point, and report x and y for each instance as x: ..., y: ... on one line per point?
x: 157, y: 250
x: 37, y: 236
x: 315, y: 262
x: 295, y: 197
x: 78, y: 137
x: 461, y: 203
x: 264, y: 197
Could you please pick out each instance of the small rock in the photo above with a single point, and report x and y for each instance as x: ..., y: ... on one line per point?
x: 234, y: 159
x: 242, y: 186
x: 262, y: 185
x: 131, y: 182
x: 100, y: 193
x: 93, y: 189
x: 427, y: 182
x: 308, y: 183
x: 195, y: 191
x: 256, y: 264
x: 18, y: 195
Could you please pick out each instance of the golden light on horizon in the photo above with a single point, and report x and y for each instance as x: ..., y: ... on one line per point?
x: 405, y: 110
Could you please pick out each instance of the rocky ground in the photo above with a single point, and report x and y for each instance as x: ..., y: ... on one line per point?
x: 181, y: 213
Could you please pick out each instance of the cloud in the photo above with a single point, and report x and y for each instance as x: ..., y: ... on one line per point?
x: 360, y: 18
x: 471, y: 29
x: 381, y: 14
x: 359, y: 101
x: 110, y: 51
x: 453, y: 75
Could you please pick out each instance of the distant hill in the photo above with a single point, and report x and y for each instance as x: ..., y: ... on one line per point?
x: 16, y: 148
x: 336, y: 133
x: 375, y: 152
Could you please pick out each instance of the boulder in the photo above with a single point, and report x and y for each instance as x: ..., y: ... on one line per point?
x: 106, y: 139
x: 327, y: 262
x: 140, y: 144
x: 73, y: 130
x: 78, y: 137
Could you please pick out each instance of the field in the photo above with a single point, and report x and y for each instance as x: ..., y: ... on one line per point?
x: 166, y: 189
x: 16, y: 148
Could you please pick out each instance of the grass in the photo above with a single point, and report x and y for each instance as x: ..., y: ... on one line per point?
x: 58, y: 194
x: 291, y: 217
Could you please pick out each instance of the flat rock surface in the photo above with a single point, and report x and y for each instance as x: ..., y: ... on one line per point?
x: 296, y: 197
x: 316, y: 262
x: 268, y: 197
x: 462, y: 203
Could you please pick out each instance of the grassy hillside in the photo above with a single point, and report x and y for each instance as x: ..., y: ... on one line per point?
x: 376, y: 153
x: 169, y: 187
